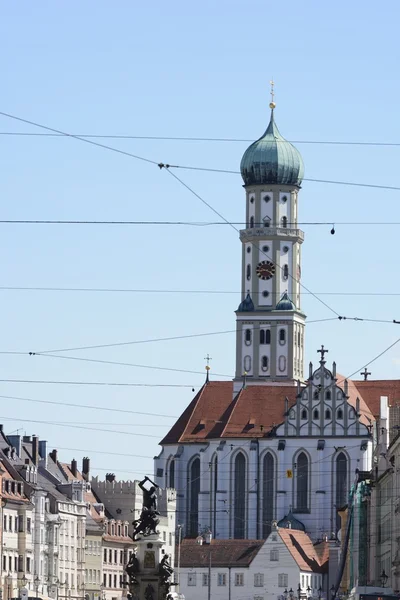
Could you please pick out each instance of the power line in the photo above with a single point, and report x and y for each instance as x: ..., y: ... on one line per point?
x: 186, y: 223
x: 192, y: 139
x: 100, y: 383
x: 173, y: 291
x: 85, y: 406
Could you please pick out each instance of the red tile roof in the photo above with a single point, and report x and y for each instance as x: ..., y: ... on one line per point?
x: 372, y: 390
x: 224, y: 553
x: 301, y: 548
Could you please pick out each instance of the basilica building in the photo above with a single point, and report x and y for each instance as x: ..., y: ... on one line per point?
x: 281, y: 443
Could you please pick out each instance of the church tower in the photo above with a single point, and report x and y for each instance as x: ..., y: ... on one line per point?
x: 270, y: 323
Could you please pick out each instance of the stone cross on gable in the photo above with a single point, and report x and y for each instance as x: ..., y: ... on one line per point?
x: 322, y: 351
x: 365, y: 374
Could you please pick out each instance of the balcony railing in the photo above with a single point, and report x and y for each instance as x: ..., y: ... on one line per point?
x: 253, y: 232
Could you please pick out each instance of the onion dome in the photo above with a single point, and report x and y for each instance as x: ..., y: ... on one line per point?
x: 246, y: 305
x: 285, y: 303
x: 290, y: 522
x: 272, y: 159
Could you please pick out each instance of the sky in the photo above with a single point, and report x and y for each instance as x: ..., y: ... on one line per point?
x: 182, y: 69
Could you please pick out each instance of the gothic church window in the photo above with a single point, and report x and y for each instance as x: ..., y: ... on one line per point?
x: 316, y: 414
x: 239, y: 499
x: 171, y: 482
x: 327, y: 414
x: 328, y: 395
x: 341, y: 483
x: 339, y: 414
x: 268, y: 494
x: 304, y: 414
x: 194, y: 490
x: 302, y: 483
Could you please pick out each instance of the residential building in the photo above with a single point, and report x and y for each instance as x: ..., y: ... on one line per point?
x: 117, y: 546
x: 93, y: 558
x: 285, y: 565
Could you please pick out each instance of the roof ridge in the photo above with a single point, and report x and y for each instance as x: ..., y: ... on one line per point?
x: 233, y: 404
x: 195, y: 405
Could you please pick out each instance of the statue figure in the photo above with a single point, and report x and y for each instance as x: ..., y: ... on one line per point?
x: 149, y: 496
x: 146, y: 524
x: 132, y: 568
x: 165, y: 570
x: 149, y: 592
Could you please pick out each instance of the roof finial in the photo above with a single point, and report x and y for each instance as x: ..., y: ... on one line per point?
x: 208, y: 358
x: 272, y: 103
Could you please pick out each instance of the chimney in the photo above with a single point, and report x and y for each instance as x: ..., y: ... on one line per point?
x: 35, y: 450
x: 74, y: 468
x: 43, y: 449
x: 110, y: 477
x: 53, y: 455
x: 16, y: 441
x: 86, y: 468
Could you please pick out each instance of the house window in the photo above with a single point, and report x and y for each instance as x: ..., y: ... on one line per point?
x: 258, y: 579
x: 115, y: 581
x: 205, y: 579
x: 10, y: 563
x: 115, y: 556
x: 302, y: 482
x: 28, y: 525
x: 239, y: 509
x: 16, y: 563
x: 20, y: 524
x: 105, y: 555
x: 104, y: 579
x: 221, y: 579
x: 274, y: 554
x: 247, y: 337
x: 239, y: 578
x: 283, y: 580
x: 10, y: 523
x: 194, y: 490
x: 327, y: 414
x: 264, y: 363
x: 4, y: 563
x: 268, y: 493
x: 28, y: 564
x: 340, y: 414
x: 5, y: 523
x: 109, y: 580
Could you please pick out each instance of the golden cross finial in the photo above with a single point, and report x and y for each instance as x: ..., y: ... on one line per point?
x: 272, y: 103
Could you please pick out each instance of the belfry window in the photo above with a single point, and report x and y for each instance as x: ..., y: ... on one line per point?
x: 262, y: 336
x: 264, y: 363
x: 285, y: 271
x: 284, y: 222
x: 282, y: 336
x: 267, y: 336
x: 248, y: 272
x: 251, y: 222
x: 247, y: 337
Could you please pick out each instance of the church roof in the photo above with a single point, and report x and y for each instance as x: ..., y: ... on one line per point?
x: 246, y: 305
x: 302, y: 550
x: 289, y: 521
x: 272, y: 159
x: 256, y: 410
x: 224, y: 553
x: 285, y: 303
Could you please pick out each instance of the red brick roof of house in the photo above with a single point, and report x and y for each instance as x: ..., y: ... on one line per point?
x: 224, y: 553
x: 372, y: 390
x: 302, y: 550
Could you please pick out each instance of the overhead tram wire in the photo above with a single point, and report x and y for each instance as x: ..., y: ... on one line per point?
x: 191, y: 139
x: 101, y: 383
x: 186, y: 223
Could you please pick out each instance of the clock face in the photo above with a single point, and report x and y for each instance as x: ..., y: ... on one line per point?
x: 265, y: 269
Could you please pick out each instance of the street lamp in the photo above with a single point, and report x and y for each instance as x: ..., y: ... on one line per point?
x: 384, y: 578
x: 320, y: 592
x: 299, y: 591
x: 309, y: 592
x: 291, y: 594
x: 285, y: 594
x: 37, y: 583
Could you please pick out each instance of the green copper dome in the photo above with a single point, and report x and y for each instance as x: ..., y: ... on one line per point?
x: 272, y: 159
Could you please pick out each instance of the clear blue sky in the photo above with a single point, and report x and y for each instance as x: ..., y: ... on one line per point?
x: 183, y: 69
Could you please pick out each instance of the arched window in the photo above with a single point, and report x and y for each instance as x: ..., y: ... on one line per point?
x: 214, y: 487
x: 284, y: 222
x: 327, y: 414
x: 316, y: 414
x: 341, y: 483
x: 328, y: 395
x: 285, y: 271
x: 194, y: 490
x: 248, y: 272
x: 282, y: 336
x: 302, y: 483
x: 339, y: 415
x: 239, y: 499
x: 247, y: 337
x: 262, y: 336
x: 267, y: 336
x: 251, y: 222
x: 304, y: 414
x: 264, y: 363
x: 268, y: 494
x: 171, y: 482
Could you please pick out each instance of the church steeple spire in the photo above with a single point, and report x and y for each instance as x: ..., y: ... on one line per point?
x: 270, y: 323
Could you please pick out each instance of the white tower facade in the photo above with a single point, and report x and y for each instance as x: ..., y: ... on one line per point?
x: 270, y: 323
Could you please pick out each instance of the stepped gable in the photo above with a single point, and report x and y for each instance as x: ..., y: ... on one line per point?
x: 372, y: 390
x: 301, y: 548
x: 224, y: 553
x: 366, y: 416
